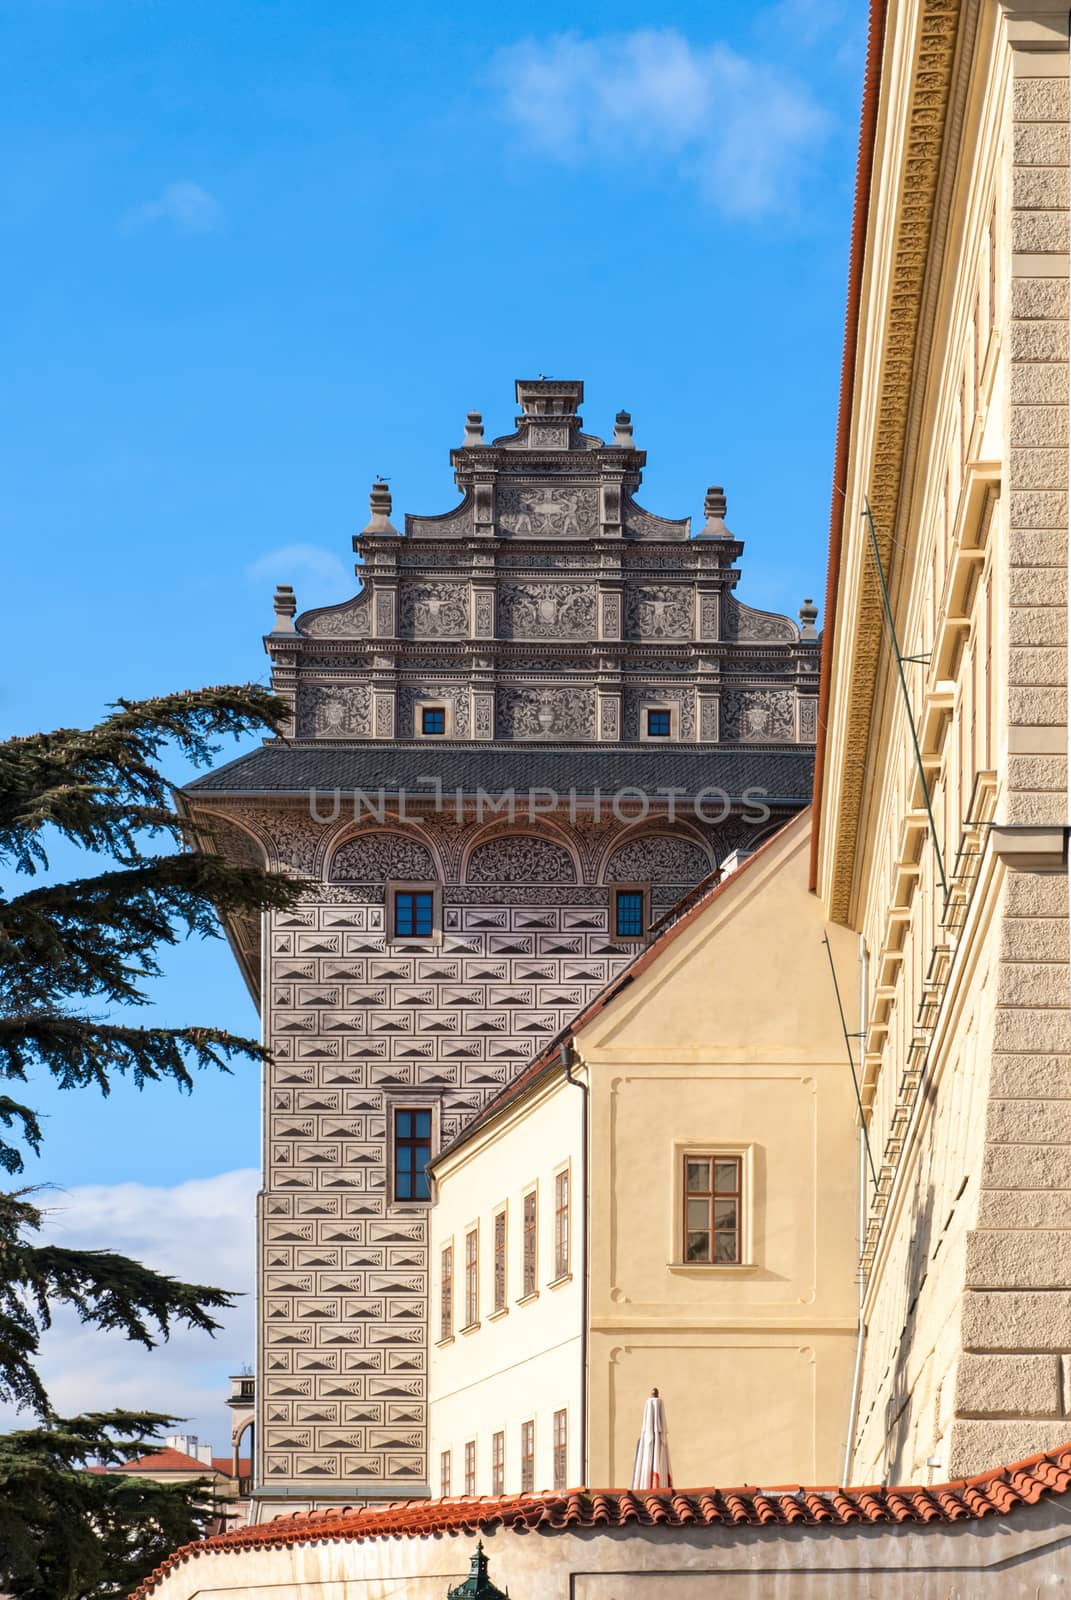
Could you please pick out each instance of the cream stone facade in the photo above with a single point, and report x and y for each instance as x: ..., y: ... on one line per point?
x: 700, y: 1051
x: 952, y: 866
x: 519, y: 1360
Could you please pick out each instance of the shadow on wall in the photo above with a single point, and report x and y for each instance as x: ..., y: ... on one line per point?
x: 900, y: 1415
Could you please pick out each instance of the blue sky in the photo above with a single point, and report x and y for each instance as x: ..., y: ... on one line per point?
x: 254, y: 254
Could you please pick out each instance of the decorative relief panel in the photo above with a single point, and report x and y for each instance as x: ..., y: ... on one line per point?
x: 349, y: 621
x: 546, y: 511
x: 708, y: 616
x: 330, y: 711
x: 434, y: 610
x: 484, y: 614
x: 379, y: 856
x: 708, y: 719
x: 659, y: 611
x: 741, y: 622
x: 546, y: 611
x: 808, y: 718
x: 520, y: 858
x: 658, y: 857
x: 385, y: 614
x: 758, y: 714
x: 546, y: 713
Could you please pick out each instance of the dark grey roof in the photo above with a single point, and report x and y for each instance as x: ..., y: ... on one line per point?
x: 783, y: 773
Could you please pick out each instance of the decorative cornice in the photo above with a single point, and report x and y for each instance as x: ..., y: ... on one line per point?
x: 898, y: 339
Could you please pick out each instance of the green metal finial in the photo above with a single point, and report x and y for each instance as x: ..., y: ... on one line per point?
x: 477, y: 1586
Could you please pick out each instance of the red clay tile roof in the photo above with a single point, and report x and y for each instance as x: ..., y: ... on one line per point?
x: 167, y: 1461
x: 994, y: 1493
x: 223, y: 1464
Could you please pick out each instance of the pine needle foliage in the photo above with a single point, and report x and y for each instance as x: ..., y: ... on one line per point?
x: 73, y: 956
x: 71, y: 1534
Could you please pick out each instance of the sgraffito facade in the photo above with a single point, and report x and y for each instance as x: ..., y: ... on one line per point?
x: 543, y: 698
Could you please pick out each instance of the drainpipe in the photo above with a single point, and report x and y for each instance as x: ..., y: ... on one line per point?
x: 585, y: 1118
x: 860, y: 1336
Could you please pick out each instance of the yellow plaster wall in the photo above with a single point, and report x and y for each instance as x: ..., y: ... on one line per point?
x: 730, y: 1039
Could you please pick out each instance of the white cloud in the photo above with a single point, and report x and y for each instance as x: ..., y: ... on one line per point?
x: 740, y: 128
x: 318, y: 574
x: 185, y: 206
x: 202, y: 1231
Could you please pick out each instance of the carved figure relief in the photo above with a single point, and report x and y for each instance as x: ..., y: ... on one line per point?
x: 547, y: 713
x: 659, y: 611
x: 434, y: 610
x: 329, y: 711
x: 349, y: 621
x: 546, y: 511
x: 546, y: 611
x: 658, y: 858
x: 758, y: 714
x: 379, y: 856
x: 520, y: 858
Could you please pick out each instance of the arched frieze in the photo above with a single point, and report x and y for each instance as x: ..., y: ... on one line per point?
x: 379, y: 855
x: 241, y: 843
x: 648, y: 857
x: 520, y: 858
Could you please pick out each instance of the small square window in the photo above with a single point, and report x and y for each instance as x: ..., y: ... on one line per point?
x: 629, y: 920
x: 713, y: 1195
x: 658, y: 724
x: 433, y: 719
x: 414, y: 914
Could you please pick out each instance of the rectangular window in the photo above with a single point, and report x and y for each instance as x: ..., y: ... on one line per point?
x: 527, y: 1457
x: 561, y: 1448
x: 444, y: 1474
x: 470, y: 1467
x: 414, y: 913
x: 412, y: 1152
x: 498, y: 1463
x: 472, y: 1277
x: 658, y: 724
x: 433, y: 719
x: 446, y: 1293
x: 561, y: 1224
x: 712, y: 1198
x: 500, y: 1260
x: 528, y: 1263
x: 629, y: 919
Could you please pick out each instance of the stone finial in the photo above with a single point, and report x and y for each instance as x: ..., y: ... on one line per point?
x: 714, y: 506
x: 473, y: 431
x: 285, y: 609
x: 380, y: 503
x: 623, y: 439
x: 808, y: 617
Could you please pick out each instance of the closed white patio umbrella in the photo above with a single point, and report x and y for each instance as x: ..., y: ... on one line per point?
x: 652, y: 1469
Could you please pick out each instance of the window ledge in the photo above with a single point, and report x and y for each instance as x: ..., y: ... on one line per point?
x: 503, y: 1311
x: 556, y: 1283
x: 524, y: 1298
x: 727, y: 1267
x: 470, y: 1327
x: 440, y: 1343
